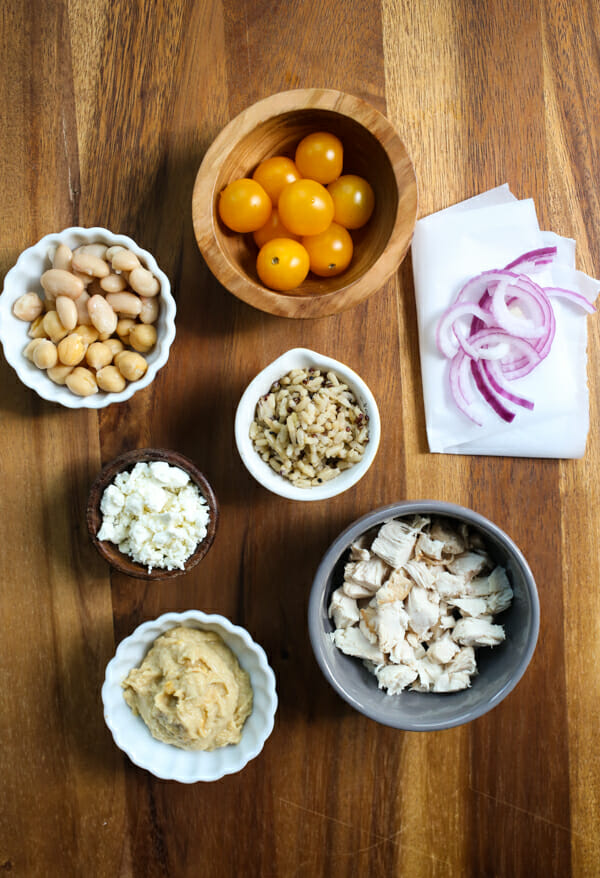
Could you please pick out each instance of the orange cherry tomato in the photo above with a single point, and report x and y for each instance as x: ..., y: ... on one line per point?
x: 273, y: 228
x: 244, y: 206
x: 275, y: 173
x: 320, y: 156
x: 306, y: 207
x: 330, y: 252
x: 353, y: 200
x: 282, y: 264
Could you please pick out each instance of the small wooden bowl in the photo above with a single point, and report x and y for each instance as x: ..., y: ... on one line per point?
x: 275, y: 126
x: 125, y: 462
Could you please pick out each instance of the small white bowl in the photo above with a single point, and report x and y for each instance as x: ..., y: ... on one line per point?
x: 25, y: 277
x: 172, y: 763
x: 302, y: 358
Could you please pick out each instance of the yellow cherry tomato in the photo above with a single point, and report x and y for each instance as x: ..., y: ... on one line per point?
x: 306, y: 207
x: 320, y: 156
x: 353, y: 200
x: 274, y: 174
x: 273, y: 228
x: 330, y: 252
x: 244, y: 206
x: 282, y: 264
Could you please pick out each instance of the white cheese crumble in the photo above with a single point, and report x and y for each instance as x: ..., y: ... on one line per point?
x: 155, y: 514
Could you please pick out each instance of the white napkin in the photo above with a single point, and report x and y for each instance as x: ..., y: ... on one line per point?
x: 449, y: 247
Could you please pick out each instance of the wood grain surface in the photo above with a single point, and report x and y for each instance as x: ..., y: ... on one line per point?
x: 108, y: 109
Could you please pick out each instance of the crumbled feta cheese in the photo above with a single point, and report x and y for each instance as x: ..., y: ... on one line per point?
x: 155, y: 514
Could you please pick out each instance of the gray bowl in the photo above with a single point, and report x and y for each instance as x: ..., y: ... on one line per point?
x: 500, y: 669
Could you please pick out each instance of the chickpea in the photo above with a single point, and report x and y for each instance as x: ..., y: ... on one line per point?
x: 142, y: 337
x: 98, y: 355
x: 124, y: 327
x: 30, y: 348
x: 53, y: 327
x: 88, y: 334
x: 115, y: 346
x: 71, y: 350
x: 45, y: 354
x: 28, y: 307
x: 132, y: 366
x: 81, y: 382
x: 58, y: 374
x: 36, y: 330
x: 110, y: 379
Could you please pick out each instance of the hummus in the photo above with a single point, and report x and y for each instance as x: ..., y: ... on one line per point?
x: 190, y: 690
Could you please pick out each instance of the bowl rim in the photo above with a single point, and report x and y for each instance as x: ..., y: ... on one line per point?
x: 140, y: 640
x: 112, y: 555
x: 260, y: 470
x: 395, y: 510
x: 46, y: 389
x: 204, y: 197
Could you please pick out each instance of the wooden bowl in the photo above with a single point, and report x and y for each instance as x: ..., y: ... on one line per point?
x: 274, y: 126
x: 125, y: 462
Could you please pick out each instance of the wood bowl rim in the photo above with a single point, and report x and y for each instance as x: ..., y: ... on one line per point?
x: 204, y: 196
x: 110, y: 552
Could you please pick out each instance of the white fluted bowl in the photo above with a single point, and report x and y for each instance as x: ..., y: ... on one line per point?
x: 25, y: 276
x: 164, y: 760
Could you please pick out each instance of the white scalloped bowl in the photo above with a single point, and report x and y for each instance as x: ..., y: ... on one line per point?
x: 302, y: 358
x: 25, y: 276
x: 131, y: 734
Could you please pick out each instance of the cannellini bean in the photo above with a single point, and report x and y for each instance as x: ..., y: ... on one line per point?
x: 98, y: 250
x: 29, y: 349
x: 110, y: 253
x: 81, y: 382
x: 58, y: 282
x: 71, y: 350
x: 87, y: 263
x: 124, y: 327
x: 45, y: 354
x: 98, y: 355
x: 131, y: 365
x: 88, y: 334
x: 143, y: 282
x: 83, y: 315
x: 53, y: 327
x: 58, y: 374
x: 125, y: 304
x: 150, y: 309
x: 29, y: 306
x: 86, y: 279
x: 113, y: 283
x: 36, y: 330
x: 102, y: 315
x: 115, y: 345
x: 67, y: 311
x: 62, y: 258
x: 110, y: 379
x: 124, y: 260
x: 142, y: 337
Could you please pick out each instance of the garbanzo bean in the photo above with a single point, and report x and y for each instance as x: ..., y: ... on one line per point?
x: 88, y: 334
x: 131, y: 365
x: 142, y: 337
x: 71, y: 350
x: 124, y: 327
x: 67, y: 311
x: 36, y: 330
x: 98, y: 355
x: 45, y: 354
x: 115, y: 345
x: 59, y: 373
x: 29, y: 306
x: 53, y: 327
x: 29, y: 349
x: 81, y: 381
x: 110, y: 379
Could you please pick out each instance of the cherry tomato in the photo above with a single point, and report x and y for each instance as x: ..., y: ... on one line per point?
x: 244, y: 206
x: 275, y: 173
x: 273, y: 228
x: 306, y: 207
x: 330, y: 252
x: 353, y: 200
x: 320, y: 156
x: 282, y: 264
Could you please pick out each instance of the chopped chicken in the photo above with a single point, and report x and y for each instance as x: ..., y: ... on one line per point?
x: 496, y: 581
x: 448, y: 682
x: 420, y: 573
x: 395, y: 542
x: 469, y: 606
x: 469, y: 564
x: 390, y: 623
x: 454, y: 544
x: 396, y: 588
x: 363, y: 578
x: 429, y: 671
x: 450, y: 585
x: 423, y: 613
x: 359, y: 550
x: 443, y: 649
x: 430, y: 548
x: 404, y: 654
x: 464, y: 660
x: 353, y: 642
x: 477, y: 632
x: 343, y: 610
x: 367, y: 624
x: 395, y: 678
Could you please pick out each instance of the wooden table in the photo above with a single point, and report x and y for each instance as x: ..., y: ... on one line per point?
x: 108, y: 108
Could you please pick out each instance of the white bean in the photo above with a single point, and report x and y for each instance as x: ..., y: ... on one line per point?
x: 87, y: 263
x: 67, y: 311
x: 124, y: 260
x: 102, y: 315
x: 143, y: 282
x: 28, y: 307
x: 150, y: 309
x: 125, y: 304
x: 62, y: 257
x: 58, y: 282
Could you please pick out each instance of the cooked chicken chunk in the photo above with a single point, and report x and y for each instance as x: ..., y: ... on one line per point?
x: 343, y: 610
x: 395, y: 542
x: 395, y: 588
x: 353, y: 642
x: 469, y: 564
x: 390, y: 623
x: 395, y: 678
x: 423, y: 613
x: 442, y: 650
x: 363, y: 578
x: 477, y: 632
x: 441, y: 530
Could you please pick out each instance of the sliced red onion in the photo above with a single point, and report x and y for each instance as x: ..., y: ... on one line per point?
x: 498, y: 384
x: 446, y: 337
x: 534, y: 259
x: 570, y: 296
x: 489, y: 395
x: 531, y: 324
